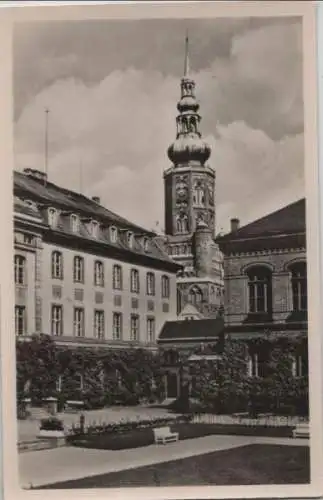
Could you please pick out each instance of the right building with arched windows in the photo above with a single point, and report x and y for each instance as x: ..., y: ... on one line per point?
x: 265, y: 282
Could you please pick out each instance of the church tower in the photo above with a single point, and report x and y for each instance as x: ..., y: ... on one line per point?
x: 189, y: 185
x: 189, y: 182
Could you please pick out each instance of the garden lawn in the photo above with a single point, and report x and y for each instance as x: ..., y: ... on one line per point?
x: 246, y: 465
x: 144, y: 437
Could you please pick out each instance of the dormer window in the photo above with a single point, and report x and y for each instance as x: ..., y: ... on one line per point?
x: 94, y: 228
x: 52, y: 217
x: 74, y: 223
x: 113, y: 234
x: 146, y: 244
x: 130, y: 238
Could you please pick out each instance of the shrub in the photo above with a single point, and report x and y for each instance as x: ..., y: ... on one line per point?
x: 51, y: 424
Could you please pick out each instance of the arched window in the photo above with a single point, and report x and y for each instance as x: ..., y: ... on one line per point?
x: 117, y: 277
x: 94, y: 229
x: 52, y: 217
x: 260, y: 290
x: 74, y: 223
x: 113, y: 234
x: 78, y: 269
x: 198, y: 195
x: 57, y: 265
x: 134, y: 281
x: 165, y: 287
x: 182, y: 224
x: 299, y: 286
x: 98, y: 273
x: 130, y: 239
x: 20, y: 270
x: 150, y: 281
x: 195, y: 296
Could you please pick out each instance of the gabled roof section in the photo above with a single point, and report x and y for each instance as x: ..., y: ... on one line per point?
x: 288, y: 220
x: 43, y: 195
x: 52, y: 195
x: 199, y: 330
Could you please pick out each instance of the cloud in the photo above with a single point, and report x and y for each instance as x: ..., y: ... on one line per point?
x: 111, y: 136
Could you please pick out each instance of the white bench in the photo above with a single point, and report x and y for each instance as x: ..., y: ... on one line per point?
x: 73, y: 406
x: 164, y: 435
x: 301, y: 431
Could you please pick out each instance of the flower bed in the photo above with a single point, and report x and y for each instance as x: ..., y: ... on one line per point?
x: 126, y: 426
x: 51, y: 424
x: 140, y: 437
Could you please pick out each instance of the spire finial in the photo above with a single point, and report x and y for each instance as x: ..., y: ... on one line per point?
x: 186, y: 62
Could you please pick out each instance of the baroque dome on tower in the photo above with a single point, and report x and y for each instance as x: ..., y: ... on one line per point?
x: 188, y: 146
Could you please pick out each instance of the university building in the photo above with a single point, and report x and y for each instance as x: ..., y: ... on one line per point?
x: 83, y: 274
x: 266, y: 284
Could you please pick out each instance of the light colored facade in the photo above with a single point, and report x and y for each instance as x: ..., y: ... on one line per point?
x: 89, y: 277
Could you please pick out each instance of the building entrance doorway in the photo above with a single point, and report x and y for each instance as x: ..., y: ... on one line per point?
x: 172, y: 385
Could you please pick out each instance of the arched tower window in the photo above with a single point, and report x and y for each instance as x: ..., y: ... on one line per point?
x: 198, y: 195
x: 182, y: 224
x: 260, y: 290
x: 299, y: 286
x: 195, y: 296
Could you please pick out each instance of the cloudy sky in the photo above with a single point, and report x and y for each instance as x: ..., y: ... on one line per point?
x: 112, y: 89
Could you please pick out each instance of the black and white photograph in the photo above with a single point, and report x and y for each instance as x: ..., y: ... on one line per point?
x: 161, y: 293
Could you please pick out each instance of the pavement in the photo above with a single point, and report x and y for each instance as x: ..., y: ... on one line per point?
x: 38, y: 468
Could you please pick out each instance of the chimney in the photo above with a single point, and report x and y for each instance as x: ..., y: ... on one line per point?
x: 235, y: 224
x: 35, y: 174
x: 96, y: 199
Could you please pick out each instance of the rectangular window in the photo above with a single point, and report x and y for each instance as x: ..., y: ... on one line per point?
x: 78, y: 270
x: 78, y: 323
x: 297, y: 366
x: 165, y: 287
x: 134, y: 281
x: 98, y: 273
x: 20, y: 320
x: 57, y: 265
x: 150, y: 330
x: 99, y: 324
x: 20, y: 270
x: 134, y: 330
x: 117, y: 326
x: 150, y: 284
x: 253, y: 365
x: 57, y: 320
x: 117, y: 278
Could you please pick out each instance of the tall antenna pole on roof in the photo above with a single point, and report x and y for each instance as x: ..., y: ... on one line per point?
x: 46, y: 145
x: 81, y: 176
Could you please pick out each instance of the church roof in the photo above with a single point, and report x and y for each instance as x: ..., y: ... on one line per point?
x: 187, y: 330
x: 286, y: 226
x: 287, y: 220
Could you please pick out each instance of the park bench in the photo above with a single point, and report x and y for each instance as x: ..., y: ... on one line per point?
x: 164, y: 435
x: 301, y: 431
x: 73, y: 406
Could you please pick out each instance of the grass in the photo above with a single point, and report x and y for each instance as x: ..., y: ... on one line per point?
x: 144, y: 437
x: 247, y: 465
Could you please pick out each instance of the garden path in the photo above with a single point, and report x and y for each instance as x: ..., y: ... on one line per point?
x: 61, y: 464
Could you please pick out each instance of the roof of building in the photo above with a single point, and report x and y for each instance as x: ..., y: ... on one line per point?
x: 287, y: 220
x: 198, y: 329
x: 33, y: 197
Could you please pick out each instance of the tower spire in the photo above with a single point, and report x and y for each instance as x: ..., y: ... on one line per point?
x: 188, y: 147
x: 186, y: 60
